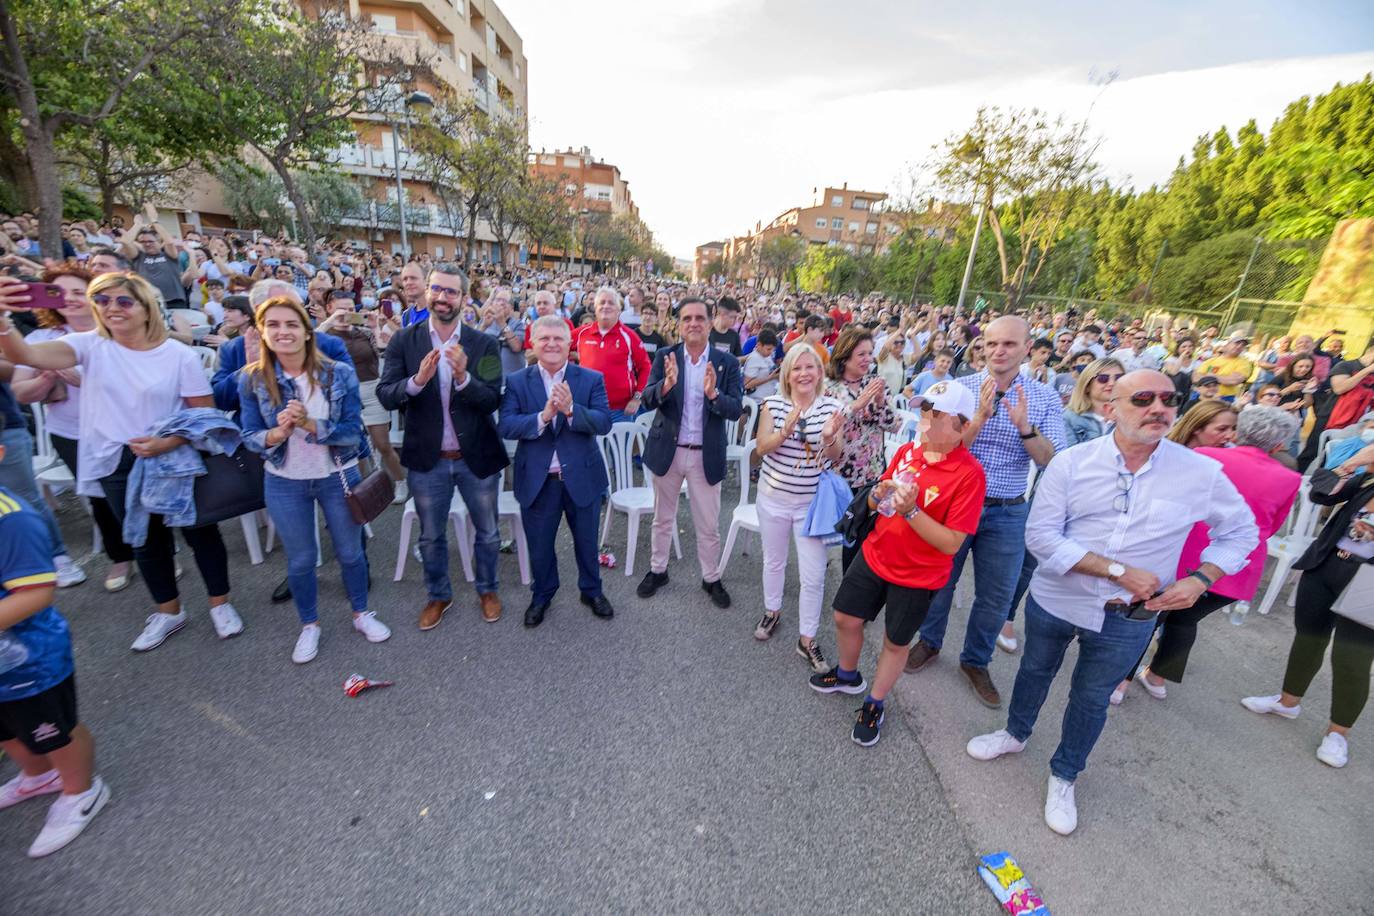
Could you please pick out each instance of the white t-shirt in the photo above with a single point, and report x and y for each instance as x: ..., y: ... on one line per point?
x: 307, y: 460
x: 758, y: 366
x: 63, y: 418
x: 126, y: 394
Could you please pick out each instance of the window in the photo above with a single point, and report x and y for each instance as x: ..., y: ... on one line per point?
x: 837, y: 223
x: 572, y: 162
x: 382, y: 23
x: 849, y: 247
x: 517, y: 73
x: 837, y: 201
x: 853, y: 227
x: 860, y: 203
x: 821, y: 223
x: 458, y: 5
x: 871, y: 228
x: 438, y: 252
x: 463, y: 61
x: 891, y: 228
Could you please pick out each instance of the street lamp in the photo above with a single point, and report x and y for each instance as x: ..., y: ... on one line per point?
x: 290, y: 207
x: 420, y: 100
x: 583, y: 214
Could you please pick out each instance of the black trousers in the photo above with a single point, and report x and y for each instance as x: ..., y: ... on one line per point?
x: 1177, y: 633
x: 1352, y: 653
x: 105, y: 519
x: 157, y: 557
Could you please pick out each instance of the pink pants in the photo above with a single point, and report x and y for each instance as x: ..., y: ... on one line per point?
x: 705, y: 501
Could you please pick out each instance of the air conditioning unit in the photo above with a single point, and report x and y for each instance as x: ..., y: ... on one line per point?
x: 377, y: 236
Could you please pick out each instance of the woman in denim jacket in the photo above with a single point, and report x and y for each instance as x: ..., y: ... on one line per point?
x: 302, y: 411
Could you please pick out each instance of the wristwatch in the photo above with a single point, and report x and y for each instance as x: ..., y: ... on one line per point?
x: 915, y: 511
x: 1115, y: 570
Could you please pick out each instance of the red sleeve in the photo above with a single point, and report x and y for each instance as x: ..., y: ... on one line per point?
x: 640, y: 358
x: 967, y: 505
x: 898, y: 457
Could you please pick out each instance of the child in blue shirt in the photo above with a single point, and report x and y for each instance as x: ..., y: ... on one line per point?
x: 39, y: 729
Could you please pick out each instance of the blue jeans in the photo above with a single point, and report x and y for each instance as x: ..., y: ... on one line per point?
x: 291, y: 504
x: 432, y: 491
x: 16, y: 475
x: 997, y: 550
x: 1104, y: 660
x: 1028, y: 564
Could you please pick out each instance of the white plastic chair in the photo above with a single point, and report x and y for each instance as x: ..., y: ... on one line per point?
x: 208, y: 359
x: 617, y: 447
x: 1285, y: 549
x: 44, y: 456
x: 737, y: 435
x: 1324, y: 443
x: 57, y: 479
x: 745, y: 515
x: 457, y: 516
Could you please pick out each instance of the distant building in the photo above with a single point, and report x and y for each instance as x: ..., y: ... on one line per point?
x: 705, y: 254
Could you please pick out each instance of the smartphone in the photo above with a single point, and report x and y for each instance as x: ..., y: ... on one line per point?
x: 357, y: 318
x: 45, y: 296
x: 387, y: 305
x: 272, y: 262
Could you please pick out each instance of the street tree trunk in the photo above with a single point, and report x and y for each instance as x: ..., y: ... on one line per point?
x: 293, y: 194
x: 38, y: 143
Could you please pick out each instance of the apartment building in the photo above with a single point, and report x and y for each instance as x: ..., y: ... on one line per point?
x: 591, y: 185
x: 474, y: 50
x: 705, y: 254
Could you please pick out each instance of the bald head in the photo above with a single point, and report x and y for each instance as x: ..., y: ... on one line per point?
x: 1150, y: 423
x: 1006, y: 344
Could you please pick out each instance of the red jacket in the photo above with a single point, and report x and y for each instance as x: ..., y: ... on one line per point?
x: 620, y: 357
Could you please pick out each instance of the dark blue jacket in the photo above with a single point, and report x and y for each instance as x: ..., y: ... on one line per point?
x: 584, y: 471
x: 225, y: 382
x: 661, y: 446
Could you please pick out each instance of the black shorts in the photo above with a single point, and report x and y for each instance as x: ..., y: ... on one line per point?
x: 863, y: 593
x: 42, y: 722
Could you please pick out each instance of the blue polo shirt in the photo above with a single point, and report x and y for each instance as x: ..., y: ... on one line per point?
x: 26, y: 562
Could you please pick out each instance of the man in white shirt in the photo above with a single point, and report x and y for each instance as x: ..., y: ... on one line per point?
x: 1108, y: 525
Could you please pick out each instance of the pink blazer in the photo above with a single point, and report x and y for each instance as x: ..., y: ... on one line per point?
x: 1269, y: 489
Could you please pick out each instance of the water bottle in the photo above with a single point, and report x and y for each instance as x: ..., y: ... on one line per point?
x: 1238, y: 612
x: 13, y: 653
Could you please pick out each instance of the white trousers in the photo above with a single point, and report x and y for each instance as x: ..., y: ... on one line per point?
x: 781, y: 515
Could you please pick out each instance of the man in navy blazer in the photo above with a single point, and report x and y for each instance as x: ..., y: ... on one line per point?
x: 555, y: 410
x: 697, y: 391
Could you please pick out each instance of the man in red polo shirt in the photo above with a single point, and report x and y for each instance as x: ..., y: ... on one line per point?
x: 616, y: 352
x: 929, y: 500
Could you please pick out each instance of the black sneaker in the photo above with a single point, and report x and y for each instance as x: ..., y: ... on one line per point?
x: 813, y: 656
x: 719, y: 596
x: 767, y: 624
x: 830, y: 682
x: 867, y: 724
x: 651, y: 583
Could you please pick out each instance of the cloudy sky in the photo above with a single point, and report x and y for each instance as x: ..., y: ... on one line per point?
x: 724, y: 113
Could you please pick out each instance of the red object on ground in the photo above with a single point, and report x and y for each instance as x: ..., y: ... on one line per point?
x: 356, y: 684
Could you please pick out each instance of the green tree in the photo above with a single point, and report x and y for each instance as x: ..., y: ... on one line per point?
x: 779, y: 256
x: 544, y: 215
x: 258, y: 199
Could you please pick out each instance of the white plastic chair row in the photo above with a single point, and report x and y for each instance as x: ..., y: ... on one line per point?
x: 738, y: 447
x: 745, y: 516
x: 617, y: 449
x: 1287, y: 548
x: 465, y: 533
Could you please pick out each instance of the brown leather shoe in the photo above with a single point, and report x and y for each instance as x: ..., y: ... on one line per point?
x: 491, y: 607
x: 433, y: 613
x: 983, y: 689
x: 921, y: 654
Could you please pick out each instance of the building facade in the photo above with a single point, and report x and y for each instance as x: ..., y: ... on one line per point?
x: 705, y: 255
x: 590, y: 186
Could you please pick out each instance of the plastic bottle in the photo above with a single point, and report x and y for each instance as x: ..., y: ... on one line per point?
x: 13, y: 653
x: 1238, y: 612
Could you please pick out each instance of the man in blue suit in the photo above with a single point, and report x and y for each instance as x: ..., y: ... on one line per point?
x: 555, y: 410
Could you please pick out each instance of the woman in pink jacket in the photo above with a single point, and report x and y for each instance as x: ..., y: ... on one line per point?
x: 1269, y: 489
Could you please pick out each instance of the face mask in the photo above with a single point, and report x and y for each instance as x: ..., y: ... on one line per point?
x: 369, y: 301
x: 1367, y: 435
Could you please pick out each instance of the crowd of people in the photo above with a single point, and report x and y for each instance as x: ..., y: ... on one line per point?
x: 1111, y: 478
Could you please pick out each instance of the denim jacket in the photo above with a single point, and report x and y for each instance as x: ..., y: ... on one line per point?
x: 342, y: 432
x: 165, y: 484
x: 1082, y: 427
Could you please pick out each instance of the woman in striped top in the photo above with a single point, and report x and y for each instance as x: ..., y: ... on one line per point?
x: 799, y: 436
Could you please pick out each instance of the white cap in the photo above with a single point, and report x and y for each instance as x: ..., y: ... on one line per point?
x: 948, y: 396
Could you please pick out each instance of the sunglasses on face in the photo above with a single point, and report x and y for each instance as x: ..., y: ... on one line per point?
x: 1146, y: 398
x: 1103, y: 378
x: 445, y: 291
x: 103, y: 301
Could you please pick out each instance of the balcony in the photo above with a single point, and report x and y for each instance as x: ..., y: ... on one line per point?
x: 419, y: 218
x: 441, y: 55
x: 374, y: 159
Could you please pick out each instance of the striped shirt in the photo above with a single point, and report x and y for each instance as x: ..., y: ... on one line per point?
x: 794, y: 466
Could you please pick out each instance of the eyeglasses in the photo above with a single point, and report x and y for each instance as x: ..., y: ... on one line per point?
x: 1124, y: 481
x: 125, y: 302
x: 1103, y: 378
x: 445, y: 291
x: 1146, y: 398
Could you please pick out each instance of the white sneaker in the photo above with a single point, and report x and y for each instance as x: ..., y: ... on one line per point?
x: 1158, y: 693
x: 1061, y: 814
x: 307, y: 644
x: 1117, y: 696
x: 68, y: 573
x: 227, y: 620
x: 367, y: 624
x: 22, y: 788
x: 159, y: 627
x: 1334, y: 751
x: 990, y: 747
x: 1007, y: 644
x: 1271, y: 705
x: 402, y: 493
x: 67, y: 817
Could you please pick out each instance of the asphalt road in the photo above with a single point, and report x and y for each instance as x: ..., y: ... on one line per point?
x: 660, y: 762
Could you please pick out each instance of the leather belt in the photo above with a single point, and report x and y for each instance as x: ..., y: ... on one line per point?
x: 1010, y: 501
x: 695, y: 448
x: 1133, y: 611
x: 453, y: 455
x: 556, y: 475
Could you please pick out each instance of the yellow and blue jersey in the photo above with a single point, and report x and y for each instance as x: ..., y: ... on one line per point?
x: 26, y: 562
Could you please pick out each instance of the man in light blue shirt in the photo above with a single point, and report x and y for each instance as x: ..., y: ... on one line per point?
x: 1108, y: 526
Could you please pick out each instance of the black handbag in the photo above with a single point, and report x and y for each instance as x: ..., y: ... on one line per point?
x: 230, y: 487
x: 858, y: 520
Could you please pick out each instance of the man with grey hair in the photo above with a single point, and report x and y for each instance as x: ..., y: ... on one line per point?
x: 1269, y: 489
x: 615, y: 351
x: 543, y: 302
x: 446, y: 377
